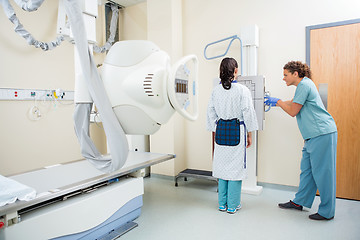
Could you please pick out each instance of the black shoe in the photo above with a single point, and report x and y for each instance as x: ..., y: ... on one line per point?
x: 317, y: 216
x: 291, y: 205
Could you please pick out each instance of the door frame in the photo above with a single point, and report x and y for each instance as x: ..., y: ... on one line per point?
x: 326, y: 25
x: 321, y: 26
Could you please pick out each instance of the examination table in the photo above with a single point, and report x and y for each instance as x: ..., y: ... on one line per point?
x: 77, y: 201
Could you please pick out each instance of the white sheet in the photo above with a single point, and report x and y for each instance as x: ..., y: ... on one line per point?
x: 11, y: 190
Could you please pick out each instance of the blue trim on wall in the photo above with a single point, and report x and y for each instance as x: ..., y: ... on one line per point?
x: 327, y: 25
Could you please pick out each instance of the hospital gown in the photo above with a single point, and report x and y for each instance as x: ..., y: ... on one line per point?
x: 229, y: 162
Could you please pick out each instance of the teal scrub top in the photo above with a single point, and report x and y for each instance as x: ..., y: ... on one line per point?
x: 313, y: 119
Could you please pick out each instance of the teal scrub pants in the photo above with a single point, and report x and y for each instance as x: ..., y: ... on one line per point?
x: 229, y: 193
x: 318, y: 171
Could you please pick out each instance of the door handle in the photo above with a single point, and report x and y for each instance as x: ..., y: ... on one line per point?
x: 323, y: 91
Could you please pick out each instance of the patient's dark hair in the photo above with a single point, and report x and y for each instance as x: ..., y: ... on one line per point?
x: 296, y: 66
x: 227, y: 69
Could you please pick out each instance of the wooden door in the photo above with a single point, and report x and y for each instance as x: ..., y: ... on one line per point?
x: 335, y: 60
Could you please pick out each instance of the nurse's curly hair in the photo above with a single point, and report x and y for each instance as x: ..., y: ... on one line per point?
x: 227, y: 69
x: 296, y: 66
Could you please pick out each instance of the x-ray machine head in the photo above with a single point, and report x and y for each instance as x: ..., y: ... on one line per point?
x: 144, y: 90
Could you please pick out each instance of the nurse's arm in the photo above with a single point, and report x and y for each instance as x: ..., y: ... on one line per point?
x: 290, y: 107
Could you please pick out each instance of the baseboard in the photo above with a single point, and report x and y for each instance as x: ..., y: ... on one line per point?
x: 161, y: 176
x: 279, y: 186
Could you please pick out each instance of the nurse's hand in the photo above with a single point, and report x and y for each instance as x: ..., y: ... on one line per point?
x: 271, y: 101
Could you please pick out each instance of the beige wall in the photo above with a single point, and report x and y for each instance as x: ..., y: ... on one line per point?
x: 133, y: 22
x: 26, y: 144
x: 282, y: 38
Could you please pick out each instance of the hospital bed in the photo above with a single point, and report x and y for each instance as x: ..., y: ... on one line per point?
x: 77, y: 201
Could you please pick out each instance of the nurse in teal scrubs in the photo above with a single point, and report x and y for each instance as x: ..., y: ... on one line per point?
x: 318, y: 128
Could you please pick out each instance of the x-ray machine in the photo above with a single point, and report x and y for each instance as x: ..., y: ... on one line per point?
x: 137, y: 92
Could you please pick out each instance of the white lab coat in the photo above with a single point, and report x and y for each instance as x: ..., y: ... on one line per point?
x: 229, y: 162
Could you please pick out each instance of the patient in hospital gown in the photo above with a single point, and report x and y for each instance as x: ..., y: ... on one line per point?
x: 231, y: 100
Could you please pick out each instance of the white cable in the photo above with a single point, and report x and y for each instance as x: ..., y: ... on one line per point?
x: 33, y: 5
x: 29, y: 5
x: 34, y: 113
x: 19, y: 29
x: 113, y: 26
x: 97, y: 119
x: 115, y: 135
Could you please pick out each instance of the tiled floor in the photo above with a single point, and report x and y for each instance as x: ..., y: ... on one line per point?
x: 189, y: 211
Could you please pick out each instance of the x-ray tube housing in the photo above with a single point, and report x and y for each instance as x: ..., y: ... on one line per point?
x: 135, y: 77
x: 144, y: 90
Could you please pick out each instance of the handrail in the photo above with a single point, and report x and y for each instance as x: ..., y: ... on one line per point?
x: 221, y: 55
